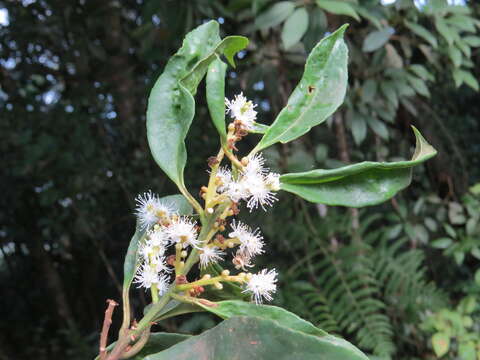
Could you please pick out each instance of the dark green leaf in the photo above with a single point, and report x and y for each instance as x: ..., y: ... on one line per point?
x: 377, y: 39
x: 228, y: 309
x: 319, y: 93
x: 363, y: 184
x: 455, y: 56
x: 158, y: 342
x: 131, y: 259
x: 274, y: 15
x: 338, y: 7
x: 473, y: 41
x: 359, y: 128
x: 247, y: 338
x: 421, y: 72
x: 378, y: 127
x: 171, y: 105
x: 216, y: 96
x: 295, y: 27
x: 444, y: 30
x: 441, y: 243
x: 419, y: 85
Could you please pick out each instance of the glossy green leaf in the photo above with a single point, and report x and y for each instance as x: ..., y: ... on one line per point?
x: 228, y: 309
x: 362, y: 184
x: 320, y: 92
x: 377, y: 39
x: 274, y: 15
x: 422, y: 32
x: 441, y: 243
x: 171, y: 105
x: 216, y: 96
x: 463, y: 76
x: 295, y: 27
x: 338, y: 7
x: 247, y: 338
x: 421, y: 72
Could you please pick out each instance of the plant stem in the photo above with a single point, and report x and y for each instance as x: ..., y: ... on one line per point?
x: 125, y: 339
x: 107, y: 321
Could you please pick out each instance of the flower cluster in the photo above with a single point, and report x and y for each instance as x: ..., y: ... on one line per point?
x: 170, y: 238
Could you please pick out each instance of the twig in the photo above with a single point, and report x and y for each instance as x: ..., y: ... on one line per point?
x: 107, y: 321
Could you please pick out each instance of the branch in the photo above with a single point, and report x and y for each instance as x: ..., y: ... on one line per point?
x: 107, y: 321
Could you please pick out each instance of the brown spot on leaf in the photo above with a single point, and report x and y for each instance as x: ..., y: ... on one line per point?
x: 311, y: 89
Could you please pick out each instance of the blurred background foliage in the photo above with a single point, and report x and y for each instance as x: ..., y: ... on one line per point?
x: 399, y: 280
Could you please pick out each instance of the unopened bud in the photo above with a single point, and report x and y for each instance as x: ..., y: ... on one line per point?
x: 231, y: 127
x: 179, y: 246
x: 183, y: 254
x: 218, y: 286
x: 210, y: 210
x: 244, y: 161
x: 248, y: 276
x: 225, y: 273
x: 206, y: 276
x: 230, y: 244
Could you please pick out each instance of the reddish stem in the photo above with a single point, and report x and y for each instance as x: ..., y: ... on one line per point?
x: 107, y: 321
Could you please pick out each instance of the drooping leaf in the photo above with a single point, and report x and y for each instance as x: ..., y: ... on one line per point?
x: 320, y: 92
x: 131, y: 258
x: 216, y: 96
x: 295, y: 27
x: 275, y: 15
x: 377, y: 39
x: 378, y: 127
x: 246, y: 338
x: 230, y: 308
x: 338, y: 7
x: 358, y: 185
x: 171, y: 105
x: 444, y: 30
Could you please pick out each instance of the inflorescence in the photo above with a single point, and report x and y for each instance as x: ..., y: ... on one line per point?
x: 171, y: 238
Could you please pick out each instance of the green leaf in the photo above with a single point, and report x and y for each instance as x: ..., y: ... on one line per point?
x: 158, y: 342
x: 295, y: 27
x: 179, y: 203
x: 462, y: 22
x: 359, y: 128
x: 369, y: 90
x: 276, y: 14
x: 228, y: 309
x: 421, y: 72
x: 216, y: 96
x: 444, y: 30
x: 441, y: 243
x: 246, y: 338
x: 320, y: 92
x: 462, y: 76
x: 338, y: 7
x: 422, y: 32
x: 473, y: 41
x: 455, y: 56
x: 378, y: 127
x: 131, y: 259
x: 258, y: 128
x: 377, y: 39
x: 419, y: 85
x: 358, y: 185
x: 440, y: 343
x: 171, y: 105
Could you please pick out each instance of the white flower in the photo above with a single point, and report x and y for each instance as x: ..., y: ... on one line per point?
x: 150, y: 209
x: 255, y: 165
x: 182, y: 230
x: 210, y: 255
x: 272, y: 180
x: 242, y: 110
x: 224, y: 177
x: 160, y: 264
x: 259, y: 193
x: 237, y: 191
x: 145, y: 251
x: 146, y: 276
x: 163, y: 284
x: 251, y: 242
x: 262, y: 285
x: 158, y: 238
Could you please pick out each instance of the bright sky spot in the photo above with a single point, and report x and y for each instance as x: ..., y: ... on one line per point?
x: 387, y: 2
x: 4, y: 17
